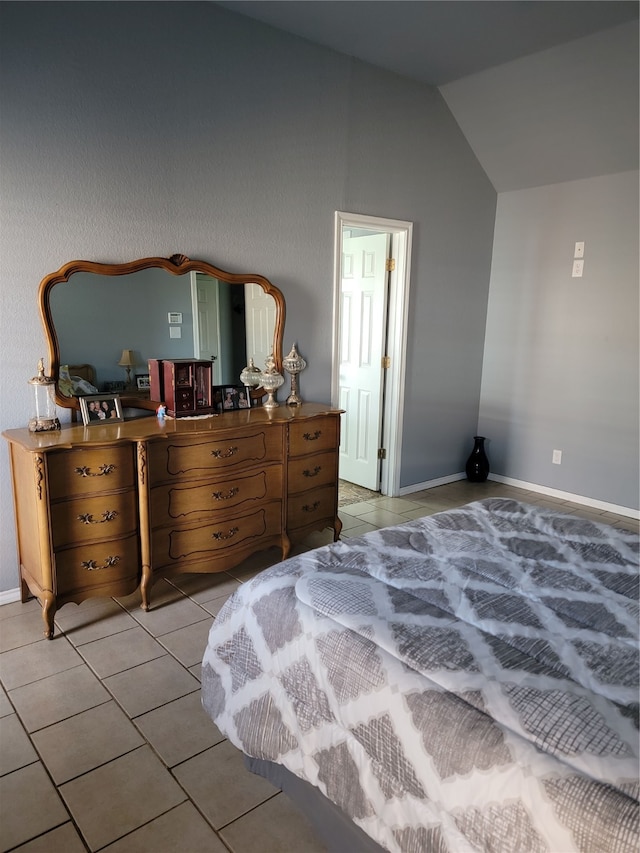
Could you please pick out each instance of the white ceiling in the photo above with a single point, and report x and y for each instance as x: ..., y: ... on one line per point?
x: 544, y: 90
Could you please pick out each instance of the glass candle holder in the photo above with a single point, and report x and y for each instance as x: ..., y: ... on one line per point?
x: 294, y: 364
x: 45, y: 413
x: 271, y: 380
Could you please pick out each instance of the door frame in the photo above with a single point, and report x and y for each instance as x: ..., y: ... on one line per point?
x: 398, y: 314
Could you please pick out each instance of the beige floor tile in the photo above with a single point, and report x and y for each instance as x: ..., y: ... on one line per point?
x: 423, y: 512
x: 188, y: 644
x: 21, y: 630
x: 150, y: 685
x: 359, y: 508
x: 29, y: 663
x: 220, y: 785
x: 182, y: 830
x: 627, y: 524
x: 17, y: 608
x: 349, y: 521
x: 64, y: 839
x: 121, y: 796
x: 161, y: 593
x: 399, y: 505
x: 256, y: 563
x: 277, y: 826
x: 381, y: 518
x: 62, y: 695
x: 20, y: 819
x: 169, y: 616
x: 85, y: 741
x: 180, y: 729
x: 214, y: 606
x: 16, y: 750
x: 204, y: 587
x: 358, y: 530
x: 84, y: 624
x: 121, y: 651
x: 196, y: 671
x: 6, y: 707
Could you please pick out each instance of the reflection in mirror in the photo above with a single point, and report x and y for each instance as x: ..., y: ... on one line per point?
x: 156, y: 308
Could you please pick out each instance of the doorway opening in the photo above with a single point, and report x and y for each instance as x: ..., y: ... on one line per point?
x: 371, y: 297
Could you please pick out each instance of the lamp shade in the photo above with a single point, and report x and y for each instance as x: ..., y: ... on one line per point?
x: 127, y: 359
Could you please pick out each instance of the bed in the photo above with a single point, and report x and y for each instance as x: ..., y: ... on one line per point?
x: 464, y: 682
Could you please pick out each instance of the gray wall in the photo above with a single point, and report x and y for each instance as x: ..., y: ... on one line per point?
x: 561, y: 355
x: 140, y: 129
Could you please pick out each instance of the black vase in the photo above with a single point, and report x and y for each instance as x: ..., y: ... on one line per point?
x: 477, y: 466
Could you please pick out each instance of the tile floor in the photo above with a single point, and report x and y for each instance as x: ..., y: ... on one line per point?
x: 103, y: 742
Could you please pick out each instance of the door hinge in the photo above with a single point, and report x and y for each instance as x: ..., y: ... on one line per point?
x: 385, y: 362
x: 391, y: 264
x: 382, y: 453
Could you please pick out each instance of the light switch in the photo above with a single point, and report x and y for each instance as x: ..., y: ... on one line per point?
x: 579, y: 251
x: 578, y: 267
x: 175, y: 332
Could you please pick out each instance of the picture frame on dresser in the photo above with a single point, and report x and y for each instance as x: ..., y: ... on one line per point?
x: 143, y: 381
x: 101, y: 409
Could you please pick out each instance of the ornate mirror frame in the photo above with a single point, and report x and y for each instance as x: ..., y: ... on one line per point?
x: 176, y: 265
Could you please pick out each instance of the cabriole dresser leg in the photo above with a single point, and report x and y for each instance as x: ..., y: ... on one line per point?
x: 48, y: 612
x: 145, y: 588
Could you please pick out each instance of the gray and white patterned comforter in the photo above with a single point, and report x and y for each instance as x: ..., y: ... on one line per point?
x: 467, y: 681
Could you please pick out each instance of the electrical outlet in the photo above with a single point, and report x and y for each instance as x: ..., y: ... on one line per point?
x: 578, y: 267
x: 557, y: 457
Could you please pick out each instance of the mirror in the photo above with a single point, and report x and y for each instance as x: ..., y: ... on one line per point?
x: 155, y: 308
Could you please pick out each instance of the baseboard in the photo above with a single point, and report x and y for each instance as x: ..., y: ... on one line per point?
x: 430, y: 484
x: 626, y: 511
x: 9, y: 596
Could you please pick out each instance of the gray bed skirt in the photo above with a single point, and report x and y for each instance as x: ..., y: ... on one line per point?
x: 337, y: 831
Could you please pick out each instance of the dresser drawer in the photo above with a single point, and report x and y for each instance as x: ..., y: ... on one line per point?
x: 200, y: 457
x: 86, y: 472
x: 311, y: 472
x: 183, y: 501
x: 312, y: 507
x: 96, y: 565
x: 89, y: 518
x: 194, y: 542
x: 313, y: 436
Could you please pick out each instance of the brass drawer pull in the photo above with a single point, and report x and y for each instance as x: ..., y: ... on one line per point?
x: 104, y: 470
x: 92, y: 566
x: 228, y: 535
x: 314, y: 506
x: 309, y: 437
x: 225, y: 496
x: 107, y: 515
x: 224, y: 454
x: 314, y: 473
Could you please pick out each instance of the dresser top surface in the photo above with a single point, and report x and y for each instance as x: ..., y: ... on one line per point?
x: 142, y: 429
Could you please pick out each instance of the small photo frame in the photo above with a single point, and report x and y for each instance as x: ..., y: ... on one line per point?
x: 229, y: 398
x: 143, y: 381
x: 244, y: 398
x: 101, y: 409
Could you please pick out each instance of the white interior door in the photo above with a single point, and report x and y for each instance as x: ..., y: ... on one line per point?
x: 363, y: 312
x: 260, y: 314
x: 208, y: 325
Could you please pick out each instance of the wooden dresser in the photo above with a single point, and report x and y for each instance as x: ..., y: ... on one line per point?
x: 101, y: 510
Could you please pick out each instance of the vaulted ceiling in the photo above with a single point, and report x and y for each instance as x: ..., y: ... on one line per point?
x: 544, y: 90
